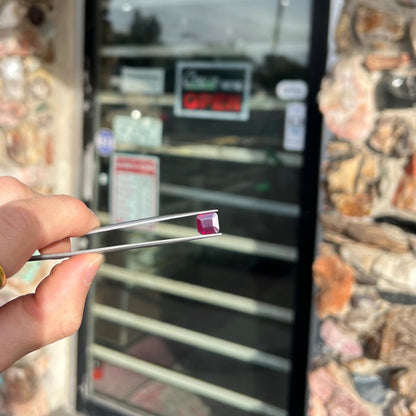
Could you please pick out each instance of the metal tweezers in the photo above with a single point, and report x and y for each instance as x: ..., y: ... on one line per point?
x: 127, y: 224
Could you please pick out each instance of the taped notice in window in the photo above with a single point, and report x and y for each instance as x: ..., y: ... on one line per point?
x: 134, y: 192
x: 144, y: 131
x: 148, y: 81
x: 295, y: 122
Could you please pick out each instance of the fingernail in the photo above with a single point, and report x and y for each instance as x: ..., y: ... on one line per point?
x: 92, y: 269
x: 3, y: 278
x: 97, y: 219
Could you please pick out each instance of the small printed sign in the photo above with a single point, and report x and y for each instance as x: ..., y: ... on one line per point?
x: 213, y: 90
x: 291, y: 90
x: 148, y: 81
x: 104, y: 142
x: 144, y: 131
x: 134, y: 191
x: 295, y: 121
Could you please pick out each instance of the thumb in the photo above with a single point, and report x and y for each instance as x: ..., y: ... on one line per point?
x: 53, y: 312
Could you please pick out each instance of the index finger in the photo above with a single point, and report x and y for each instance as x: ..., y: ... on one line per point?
x: 27, y: 225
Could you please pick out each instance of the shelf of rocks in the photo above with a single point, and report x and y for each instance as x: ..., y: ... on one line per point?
x: 258, y: 102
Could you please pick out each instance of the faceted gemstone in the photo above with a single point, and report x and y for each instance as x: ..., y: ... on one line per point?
x: 208, y: 223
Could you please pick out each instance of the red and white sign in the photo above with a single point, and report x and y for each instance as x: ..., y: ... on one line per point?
x: 134, y: 187
x: 213, y: 90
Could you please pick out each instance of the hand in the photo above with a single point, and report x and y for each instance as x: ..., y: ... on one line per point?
x: 29, y: 222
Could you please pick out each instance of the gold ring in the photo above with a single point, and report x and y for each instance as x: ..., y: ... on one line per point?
x: 3, y: 278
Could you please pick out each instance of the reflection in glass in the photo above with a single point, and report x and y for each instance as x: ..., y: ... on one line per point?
x: 202, y: 329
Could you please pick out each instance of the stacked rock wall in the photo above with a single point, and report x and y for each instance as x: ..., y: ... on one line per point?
x: 364, y: 357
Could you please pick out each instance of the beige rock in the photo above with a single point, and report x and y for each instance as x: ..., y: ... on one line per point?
x: 344, y: 38
x: 392, y: 136
x: 368, y: 174
x: 337, y: 149
x: 394, y: 272
x: 351, y: 183
x: 412, y: 407
x: 360, y: 256
x: 346, y: 100
x: 405, y: 195
x: 333, y: 386
x: 365, y: 366
x: 378, y: 24
x: 367, y: 320
x: 342, y: 175
x: 382, y: 235
x: 398, y: 338
x: 404, y: 382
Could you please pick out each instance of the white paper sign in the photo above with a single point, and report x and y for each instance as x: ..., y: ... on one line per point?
x: 295, y: 121
x: 150, y: 81
x: 145, y: 131
x: 134, y: 187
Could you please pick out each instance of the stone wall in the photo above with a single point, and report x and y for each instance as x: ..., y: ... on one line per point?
x: 364, y: 354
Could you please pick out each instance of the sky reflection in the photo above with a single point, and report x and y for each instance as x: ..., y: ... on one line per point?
x: 263, y: 26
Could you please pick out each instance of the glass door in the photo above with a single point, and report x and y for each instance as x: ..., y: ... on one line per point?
x: 197, y: 105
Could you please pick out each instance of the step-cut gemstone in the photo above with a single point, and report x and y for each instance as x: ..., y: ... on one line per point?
x: 208, y: 223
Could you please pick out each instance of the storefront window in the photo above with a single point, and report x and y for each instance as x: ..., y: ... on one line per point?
x: 208, y: 101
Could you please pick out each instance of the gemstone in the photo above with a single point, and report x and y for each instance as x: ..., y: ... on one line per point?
x: 208, y: 223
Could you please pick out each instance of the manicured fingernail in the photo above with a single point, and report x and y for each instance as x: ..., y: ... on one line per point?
x: 92, y: 269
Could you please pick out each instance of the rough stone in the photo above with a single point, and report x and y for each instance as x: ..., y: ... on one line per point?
x: 333, y: 386
x: 360, y: 256
x: 398, y: 337
x: 384, y: 236
x: 366, y: 320
x: 364, y: 297
x: 371, y: 387
x: 316, y: 407
x: 395, y: 272
x: 356, y: 205
x: 337, y: 149
x: 392, y: 137
x: 404, y: 382
x: 405, y: 195
x: 351, y: 183
x: 344, y: 37
x: 399, y: 406
x: 365, y: 366
x: 378, y: 25
x: 347, y: 100
x: 342, y: 175
x: 340, y: 340
x: 385, y: 60
x: 412, y: 407
x: 334, y: 280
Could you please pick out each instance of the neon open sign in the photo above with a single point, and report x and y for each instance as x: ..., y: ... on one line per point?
x: 213, y: 90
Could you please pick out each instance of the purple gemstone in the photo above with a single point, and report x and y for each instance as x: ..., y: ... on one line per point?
x: 208, y: 223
